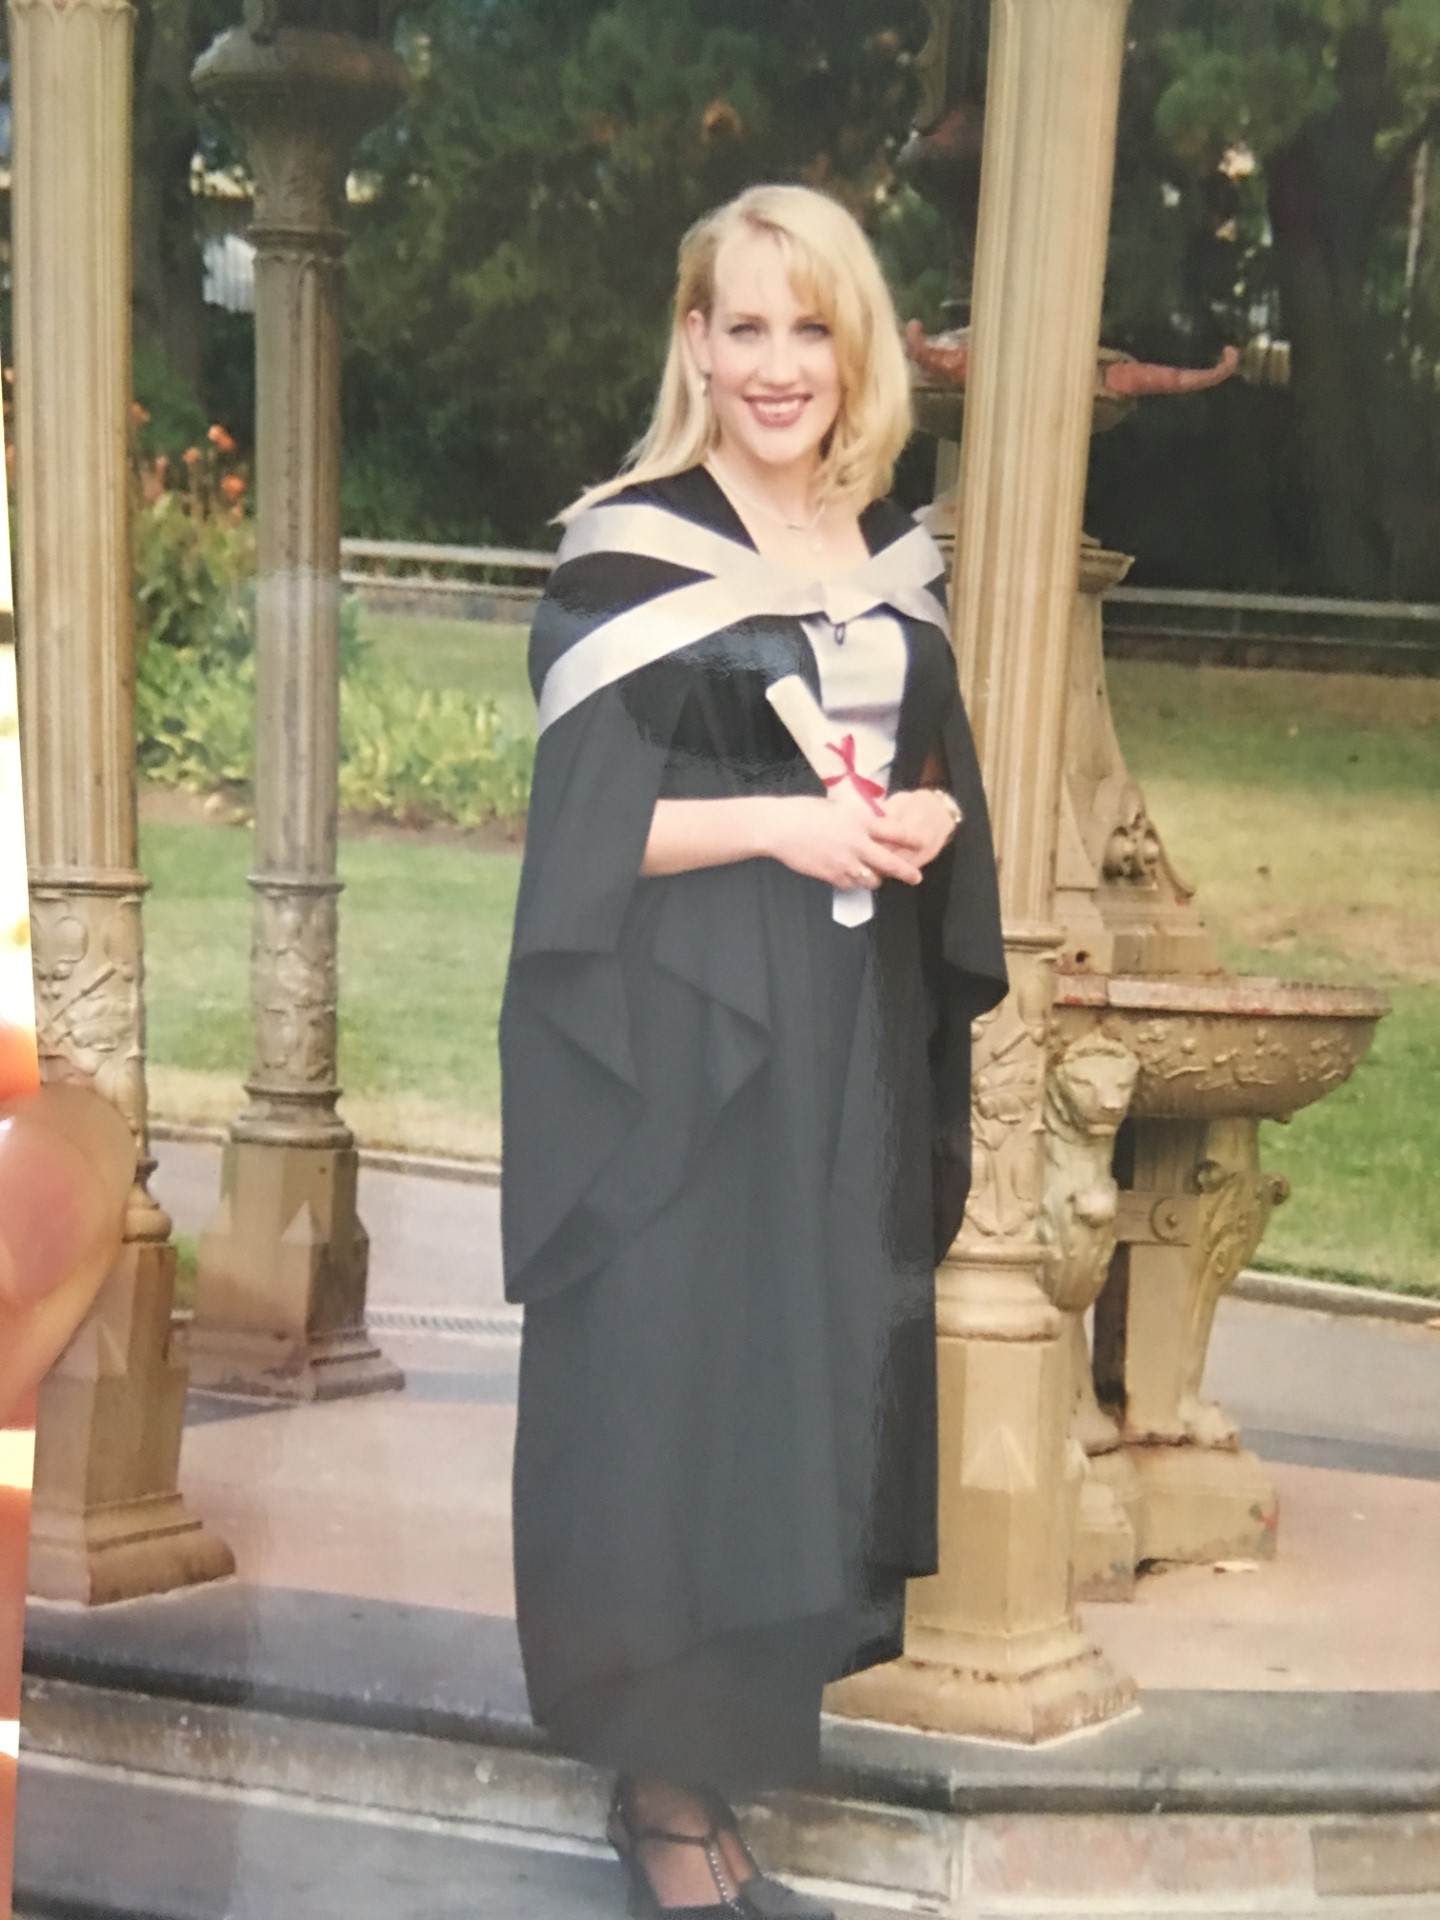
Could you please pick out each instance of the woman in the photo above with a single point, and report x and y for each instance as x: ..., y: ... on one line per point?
x: 735, y: 1054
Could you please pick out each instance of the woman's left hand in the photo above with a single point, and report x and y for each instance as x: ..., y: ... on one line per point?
x: 918, y: 820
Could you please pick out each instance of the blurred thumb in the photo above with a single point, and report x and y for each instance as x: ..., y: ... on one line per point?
x: 67, y: 1158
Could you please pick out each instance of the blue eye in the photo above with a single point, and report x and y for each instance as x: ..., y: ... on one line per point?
x: 817, y: 327
x: 742, y: 326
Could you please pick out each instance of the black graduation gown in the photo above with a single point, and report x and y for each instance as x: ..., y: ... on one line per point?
x: 736, y: 1143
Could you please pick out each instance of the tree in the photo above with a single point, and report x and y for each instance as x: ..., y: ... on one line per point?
x: 1263, y: 178
x: 168, y: 299
x: 510, y: 277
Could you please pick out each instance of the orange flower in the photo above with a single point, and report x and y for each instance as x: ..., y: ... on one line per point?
x: 138, y: 413
x: 232, y: 486
x: 721, y: 121
x: 220, y: 440
x: 191, y: 456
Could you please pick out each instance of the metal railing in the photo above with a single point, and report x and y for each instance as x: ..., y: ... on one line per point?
x: 1232, y: 629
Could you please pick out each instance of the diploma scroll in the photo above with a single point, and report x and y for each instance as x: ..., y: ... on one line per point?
x: 834, y: 761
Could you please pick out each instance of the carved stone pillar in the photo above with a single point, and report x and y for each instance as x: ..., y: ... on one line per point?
x: 993, y: 1645
x: 108, y: 1522
x: 1195, y: 1209
x: 280, y: 1302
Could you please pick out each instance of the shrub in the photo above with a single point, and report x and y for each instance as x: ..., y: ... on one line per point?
x: 194, y: 579
x: 418, y: 755
x: 195, y: 721
x: 194, y: 547
x: 406, y: 753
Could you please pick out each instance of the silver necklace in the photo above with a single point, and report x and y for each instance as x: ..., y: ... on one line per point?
x: 808, y: 527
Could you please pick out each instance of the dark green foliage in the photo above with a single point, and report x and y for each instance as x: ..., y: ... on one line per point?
x: 513, y: 260
x: 510, y: 282
x: 1332, y: 482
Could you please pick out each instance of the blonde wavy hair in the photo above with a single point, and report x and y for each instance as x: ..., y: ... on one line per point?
x: 833, y: 270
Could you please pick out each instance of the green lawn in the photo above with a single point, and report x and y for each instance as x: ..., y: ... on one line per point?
x: 1305, y: 807
x: 475, y: 657
x: 424, y: 933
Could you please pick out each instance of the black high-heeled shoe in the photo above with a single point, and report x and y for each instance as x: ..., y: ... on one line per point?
x: 763, y: 1897
x: 626, y: 1838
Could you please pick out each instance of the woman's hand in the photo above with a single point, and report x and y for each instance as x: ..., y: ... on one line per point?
x: 836, y: 838
x: 840, y: 840
x: 924, y: 816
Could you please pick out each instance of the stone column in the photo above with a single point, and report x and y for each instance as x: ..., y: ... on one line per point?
x: 108, y: 1522
x: 280, y: 1300
x: 993, y: 1645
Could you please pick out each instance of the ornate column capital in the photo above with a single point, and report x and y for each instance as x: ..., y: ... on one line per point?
x: 302, y: 99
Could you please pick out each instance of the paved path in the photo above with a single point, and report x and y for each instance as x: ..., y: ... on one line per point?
x: 1289, y: 1374
x: 433, y: 1242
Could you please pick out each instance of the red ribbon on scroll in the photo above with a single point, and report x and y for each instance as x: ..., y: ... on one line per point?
x: 868, y: 790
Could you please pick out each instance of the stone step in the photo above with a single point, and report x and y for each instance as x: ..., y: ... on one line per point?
x: 94, y: 1843
x: 335, y: 1667
x: 249, y: 1784
x: 100, y: 1844
x: 97, y: 1844
x: 414, y: 1718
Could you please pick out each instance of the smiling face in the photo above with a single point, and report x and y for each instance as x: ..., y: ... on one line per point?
x: 774, y: 376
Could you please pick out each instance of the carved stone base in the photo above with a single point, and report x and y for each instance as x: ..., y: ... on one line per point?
x: 1064, y: 1685
x: 331, y: 1366
x: 992, y: 1644
x: 107, y: 1521
x: 1104, y: 1544
x: 147, y: 1545
x: 1116, y: 1471
x: 280, y: 1297
x: 1203, y: 1504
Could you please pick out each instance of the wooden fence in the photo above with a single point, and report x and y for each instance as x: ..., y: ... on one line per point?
x: 1229, y: 629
